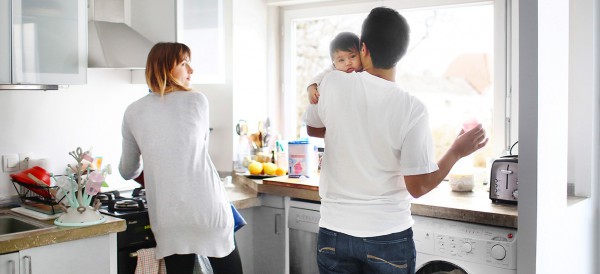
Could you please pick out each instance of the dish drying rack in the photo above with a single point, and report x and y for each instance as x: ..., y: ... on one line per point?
x: 31, y: 199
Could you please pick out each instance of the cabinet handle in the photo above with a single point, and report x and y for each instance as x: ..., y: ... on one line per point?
x: 277, y: 220
x: 11, y: 264
x: 27, y: 263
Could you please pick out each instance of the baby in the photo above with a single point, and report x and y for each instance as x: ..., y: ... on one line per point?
x: 343, y: 50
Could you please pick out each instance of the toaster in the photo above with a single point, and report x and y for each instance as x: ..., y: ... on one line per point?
x: 504, y: 180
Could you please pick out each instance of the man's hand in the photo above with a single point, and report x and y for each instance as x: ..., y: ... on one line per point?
x: 465, y: 144
x: 313, y: 94
x: 469, y: 142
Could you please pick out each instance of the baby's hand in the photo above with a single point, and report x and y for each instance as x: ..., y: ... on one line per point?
x: 313, y: 94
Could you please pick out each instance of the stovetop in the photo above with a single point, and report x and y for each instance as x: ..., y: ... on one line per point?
x: 114, y: 204
x: 134, y: 211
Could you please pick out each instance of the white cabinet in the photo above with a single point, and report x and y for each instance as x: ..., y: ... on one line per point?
x: 202, y: 29
x: 9, y: 263
x: 269, y: 240
x: 262, y: 242
x: 95, y: 255
x: 43, y: 42
x: 198, y: 24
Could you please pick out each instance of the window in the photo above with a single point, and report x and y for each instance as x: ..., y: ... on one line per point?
x: 450, y: 66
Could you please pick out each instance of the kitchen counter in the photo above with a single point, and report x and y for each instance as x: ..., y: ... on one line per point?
x: 57, y: 234
x: 474, y: 206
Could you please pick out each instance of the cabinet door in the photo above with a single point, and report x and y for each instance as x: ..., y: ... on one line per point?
x: 269, y: 240
x: 49, y: 42
x: 5, y: 22
x: 95, y: 255
x: 202, y: 29
x: 9, y: 263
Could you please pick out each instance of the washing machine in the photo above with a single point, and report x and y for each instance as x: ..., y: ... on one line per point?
x: 452, y: 247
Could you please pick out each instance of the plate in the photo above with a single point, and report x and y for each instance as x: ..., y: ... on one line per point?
x: 250, y: 176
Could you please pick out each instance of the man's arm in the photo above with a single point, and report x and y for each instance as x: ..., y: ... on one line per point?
x: 318, y: 132
x: 465, y: 144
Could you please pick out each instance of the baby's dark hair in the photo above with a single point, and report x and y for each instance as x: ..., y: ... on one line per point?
x: 345, y: 41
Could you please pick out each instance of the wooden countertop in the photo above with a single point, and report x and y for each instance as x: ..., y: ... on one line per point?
x: 56, y: 234
x: 474, y: 206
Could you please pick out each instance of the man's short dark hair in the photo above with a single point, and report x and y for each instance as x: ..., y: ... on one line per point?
x: 345, y: 41
x: 386, y: 34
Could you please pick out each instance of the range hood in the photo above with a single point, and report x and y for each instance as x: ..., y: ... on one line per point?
x: 111, y: 42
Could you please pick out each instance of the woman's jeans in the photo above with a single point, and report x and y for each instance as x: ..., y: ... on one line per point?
x: 341, y: 253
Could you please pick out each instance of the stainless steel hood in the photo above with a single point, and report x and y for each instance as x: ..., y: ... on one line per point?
x: 111, y: 42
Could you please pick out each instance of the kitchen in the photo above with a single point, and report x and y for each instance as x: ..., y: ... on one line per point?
x: 36, y: 121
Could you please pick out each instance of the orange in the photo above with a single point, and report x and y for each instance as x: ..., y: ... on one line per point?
x: 280, y: 171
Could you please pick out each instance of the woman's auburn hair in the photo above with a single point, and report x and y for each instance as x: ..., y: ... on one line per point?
x: 163, y: 57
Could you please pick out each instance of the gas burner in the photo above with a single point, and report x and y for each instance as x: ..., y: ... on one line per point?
x: 139, y: 192
x: 125, y: 204
x: 106, y: 197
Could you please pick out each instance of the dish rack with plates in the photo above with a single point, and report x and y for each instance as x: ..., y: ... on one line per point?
x: 38, y: 198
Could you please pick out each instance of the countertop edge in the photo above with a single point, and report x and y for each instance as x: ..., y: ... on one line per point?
x: 58, y: 234
x: 509, y: 218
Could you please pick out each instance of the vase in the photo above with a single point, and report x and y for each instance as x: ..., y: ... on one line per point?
x: 80, y: 216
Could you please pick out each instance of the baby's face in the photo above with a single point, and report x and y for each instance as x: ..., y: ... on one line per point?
x: 347, y: 61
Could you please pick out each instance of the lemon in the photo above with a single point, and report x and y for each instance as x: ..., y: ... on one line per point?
x: 280, y: 171
x: 269, y: 168
x: 255, y: 168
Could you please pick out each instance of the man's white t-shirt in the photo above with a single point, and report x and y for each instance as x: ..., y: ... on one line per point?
x: 375, y: 134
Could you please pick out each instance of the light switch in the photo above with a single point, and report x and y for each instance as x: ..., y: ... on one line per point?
x: 10, y: 162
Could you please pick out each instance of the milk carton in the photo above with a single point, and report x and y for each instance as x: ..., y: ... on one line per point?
x: 301, y: 155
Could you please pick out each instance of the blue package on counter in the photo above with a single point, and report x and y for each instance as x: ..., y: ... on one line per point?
x: 238, y: 219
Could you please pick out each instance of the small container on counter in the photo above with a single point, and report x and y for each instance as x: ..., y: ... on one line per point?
x: 302, y: 159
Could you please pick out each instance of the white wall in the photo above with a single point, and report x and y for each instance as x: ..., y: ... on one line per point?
x: 52, y: 123
x: 551, y: 57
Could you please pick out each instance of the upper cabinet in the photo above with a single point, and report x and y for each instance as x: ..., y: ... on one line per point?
x: 203, y: 31
x: 43, y: 42
x: 198, y: 24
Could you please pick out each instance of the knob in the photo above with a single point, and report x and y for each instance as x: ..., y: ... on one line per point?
x: 498, y: 252
x: 516, y: 194
x: 466, y: 247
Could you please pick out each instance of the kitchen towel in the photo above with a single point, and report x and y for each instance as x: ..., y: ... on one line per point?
x: 238, y: 219
x: 148, y: 264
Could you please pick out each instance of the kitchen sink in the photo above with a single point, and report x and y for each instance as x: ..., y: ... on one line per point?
x: 12, y: 223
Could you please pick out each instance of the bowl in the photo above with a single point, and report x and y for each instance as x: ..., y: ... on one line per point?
x: 36, y: 171
x: 461, y: 182
x: 32, y: 185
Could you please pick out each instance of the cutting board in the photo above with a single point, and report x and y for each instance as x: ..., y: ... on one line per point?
x: 302, y: 183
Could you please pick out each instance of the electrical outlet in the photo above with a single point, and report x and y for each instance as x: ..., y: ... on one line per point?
x: 10, y: 162
x: 24, y: 160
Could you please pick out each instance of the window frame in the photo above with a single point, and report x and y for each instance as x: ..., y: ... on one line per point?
x: 505, y: 93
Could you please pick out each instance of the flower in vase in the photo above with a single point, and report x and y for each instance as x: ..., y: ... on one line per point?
x: 94, y: 183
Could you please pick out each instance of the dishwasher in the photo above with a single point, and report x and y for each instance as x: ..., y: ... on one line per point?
x: 303, y: 224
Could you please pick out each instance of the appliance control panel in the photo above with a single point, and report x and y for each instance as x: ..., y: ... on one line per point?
x: 494, y: 246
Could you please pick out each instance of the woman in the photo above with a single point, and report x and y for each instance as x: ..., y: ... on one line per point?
x: 188, y: 207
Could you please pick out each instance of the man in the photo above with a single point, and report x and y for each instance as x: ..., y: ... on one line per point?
x: 378, y: 156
